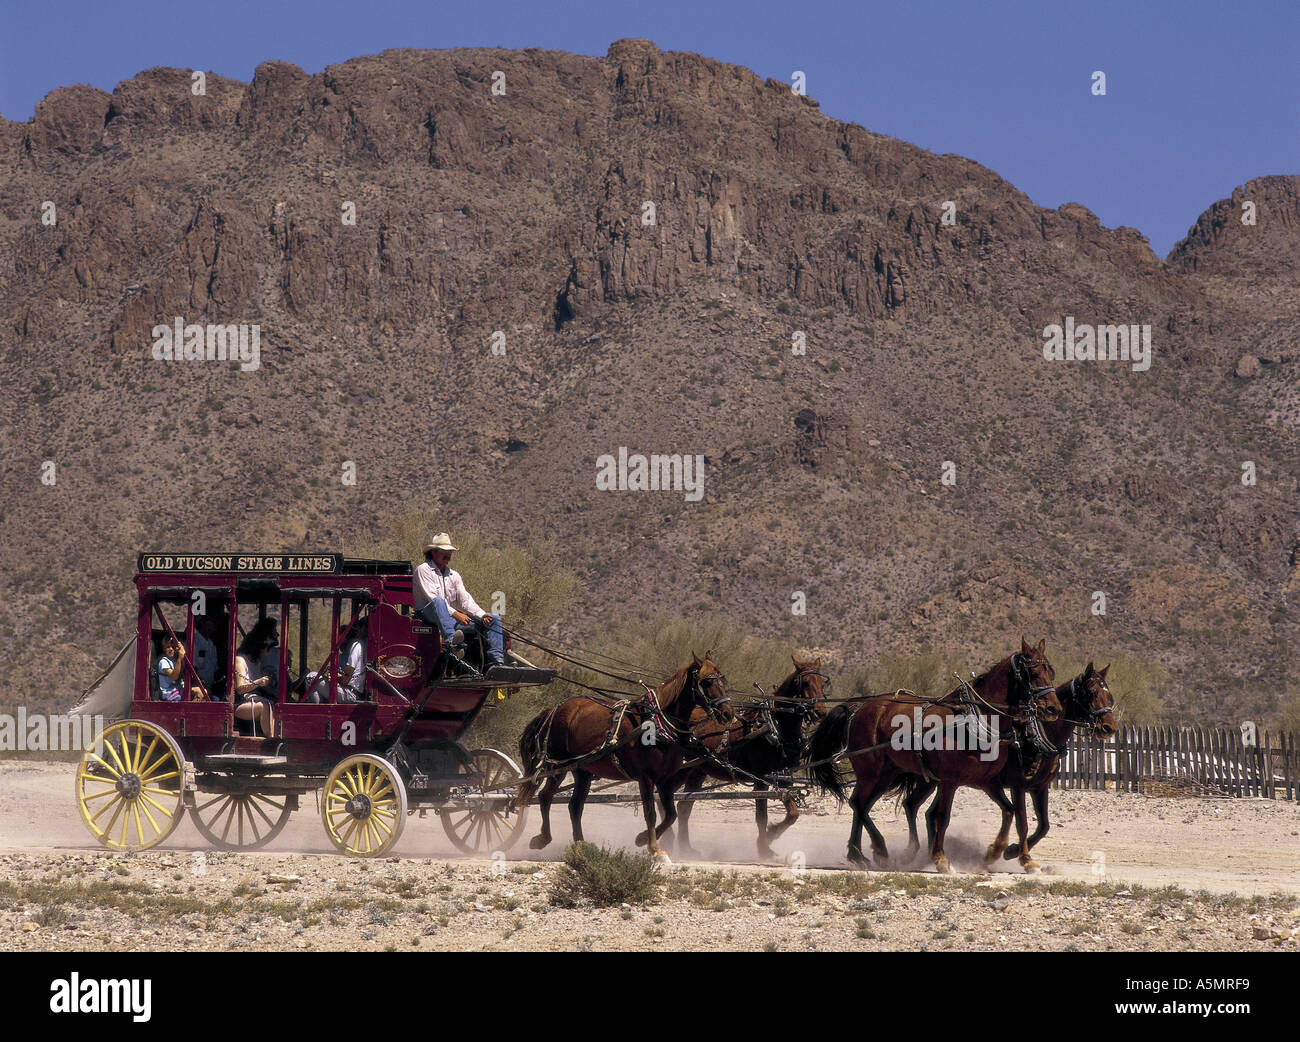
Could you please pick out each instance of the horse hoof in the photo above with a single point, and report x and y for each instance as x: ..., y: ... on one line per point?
x: 661, y: 858
x: 643, y: 839
x: 857, y: 859
x: 1030, y: 866
x: 1012, y: 852
x: 942, y: 864
x: 992, y: 854
x: 537, y: 842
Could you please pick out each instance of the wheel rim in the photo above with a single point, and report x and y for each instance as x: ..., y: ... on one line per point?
x: 364, y: 806
x: 130, y: 795
x: 484, y: 828
x: 243, y: 822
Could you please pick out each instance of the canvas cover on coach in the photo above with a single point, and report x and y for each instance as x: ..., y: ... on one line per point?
x: 110, y: 696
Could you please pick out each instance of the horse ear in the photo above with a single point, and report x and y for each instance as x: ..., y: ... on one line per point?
x: 1103, y: 672
x: 1042, y: 646
x: 695, y: 657
x: 1024, y: 645
x: 1088, y: 671
x: 816, y: 663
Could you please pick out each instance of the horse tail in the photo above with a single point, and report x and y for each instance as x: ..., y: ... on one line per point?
x: 825, y: 746
x: 531, y: 755
x: 902, y: 789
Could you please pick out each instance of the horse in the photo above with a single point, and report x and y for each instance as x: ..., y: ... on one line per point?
x: 889, y: 754
x: 765, y: 740
x: 1086, y: 701
x: 637, y: 744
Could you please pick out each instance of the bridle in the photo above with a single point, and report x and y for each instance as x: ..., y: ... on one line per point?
x: 1034, y: 697
x: 712, y: 706
x: 1092, y: 713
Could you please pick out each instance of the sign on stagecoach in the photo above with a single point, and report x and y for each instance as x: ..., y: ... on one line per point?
x: 319, y: 564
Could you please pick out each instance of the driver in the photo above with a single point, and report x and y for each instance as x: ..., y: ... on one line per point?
x: 441, y: 600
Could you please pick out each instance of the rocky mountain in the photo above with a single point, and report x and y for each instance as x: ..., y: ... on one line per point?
x: 474, y: 272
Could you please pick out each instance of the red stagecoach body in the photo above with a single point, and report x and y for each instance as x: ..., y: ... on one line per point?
x: 400, y: 735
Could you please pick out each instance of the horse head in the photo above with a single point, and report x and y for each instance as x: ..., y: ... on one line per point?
x: 808, y: 686
x: 707, y: 687
x: 1091, y: 698
x: 1032, y: 682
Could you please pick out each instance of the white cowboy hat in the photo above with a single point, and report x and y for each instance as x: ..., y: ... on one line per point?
x: 442, y: 541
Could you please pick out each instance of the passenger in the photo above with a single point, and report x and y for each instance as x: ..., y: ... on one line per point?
x: 441, y: 600
x: 351, y: 675
x: 171, y: 667
x: 254, y: 700
x: 205, y: 650
x: 270, y: 661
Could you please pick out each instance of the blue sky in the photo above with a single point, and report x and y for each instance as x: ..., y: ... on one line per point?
x: 1201, y: 96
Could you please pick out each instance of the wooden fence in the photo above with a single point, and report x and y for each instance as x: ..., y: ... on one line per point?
x: 1195, y: 761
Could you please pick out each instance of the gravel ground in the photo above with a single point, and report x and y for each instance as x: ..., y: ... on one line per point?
x: 1123, y: 873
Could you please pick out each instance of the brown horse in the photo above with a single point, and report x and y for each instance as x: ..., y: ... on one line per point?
x: 570, y: 737
x: 890, y: 746
x: 1086, y: 701
x: 765, y: 741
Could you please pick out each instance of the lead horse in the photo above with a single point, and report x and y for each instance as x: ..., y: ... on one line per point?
x: 766, y: 740
x: 889, y: 756
x: 643, y: 741
x: 1086, y: 702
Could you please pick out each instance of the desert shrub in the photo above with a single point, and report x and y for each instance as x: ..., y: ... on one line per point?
x: 536, y: 585
x: 926, y: 673
x: 603, y: 877
x: 1288, y: 715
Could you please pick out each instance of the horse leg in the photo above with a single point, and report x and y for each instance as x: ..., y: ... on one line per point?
x: 760, y: 819
x: 683, y: 835
x: 863, y: 800
x: 1040, y: 810
x: 791, y: 816
x: 648, y: 838
x: 1022, y: 829
x: 855, y: 854
x: 936, y: 820
x: 912, y: 804
x: 999, y: 843
x: 581, y: 786
x: 666, y: 789
x: 545, y: 797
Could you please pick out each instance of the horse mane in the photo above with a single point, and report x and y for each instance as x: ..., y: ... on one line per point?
x: 671, y: 689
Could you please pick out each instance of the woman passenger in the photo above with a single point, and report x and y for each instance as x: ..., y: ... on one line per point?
x: 253, y: 699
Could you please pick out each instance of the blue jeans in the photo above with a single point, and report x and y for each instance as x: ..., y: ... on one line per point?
x: 436, y: 613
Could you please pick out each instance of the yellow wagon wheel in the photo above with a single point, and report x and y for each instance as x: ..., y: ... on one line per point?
x: 129, y: 786
x: 364, y: 805
x: 243, y: 822
x: 490, y: 821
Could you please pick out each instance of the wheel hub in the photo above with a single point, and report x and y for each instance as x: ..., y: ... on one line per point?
x: 359, y: 806
x: 128, y: 786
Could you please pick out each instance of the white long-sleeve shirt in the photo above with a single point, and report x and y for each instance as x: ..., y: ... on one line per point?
x: 430, y: 583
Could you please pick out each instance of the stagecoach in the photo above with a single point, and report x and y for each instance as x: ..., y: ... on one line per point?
x: 370, y: 762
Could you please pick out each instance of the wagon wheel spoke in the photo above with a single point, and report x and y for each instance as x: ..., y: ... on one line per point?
x: 241, y: 821
x: 131, y: 777
x: 490, y: 822
x: 364, y: 805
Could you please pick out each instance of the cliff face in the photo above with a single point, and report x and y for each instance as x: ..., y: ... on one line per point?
x: 648, y: 231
